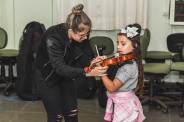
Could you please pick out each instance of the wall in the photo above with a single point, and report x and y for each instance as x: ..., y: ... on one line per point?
x: 17, y: 13
x: 159, y: 24
x: 160, y: 29
x: 0, y: 13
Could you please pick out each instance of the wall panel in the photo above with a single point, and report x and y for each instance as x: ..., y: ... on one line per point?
x: 26, y: 11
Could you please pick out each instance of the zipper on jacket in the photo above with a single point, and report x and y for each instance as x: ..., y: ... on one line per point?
x: 46, y: 63
x: 76, y: 58
x: 52, y: 70
x: 49, y: 75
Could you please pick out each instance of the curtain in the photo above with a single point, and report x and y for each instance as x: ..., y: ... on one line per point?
x: 0, y: 13
x: 107, y: 14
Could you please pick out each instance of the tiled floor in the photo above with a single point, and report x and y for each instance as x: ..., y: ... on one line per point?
x: 13, y: 109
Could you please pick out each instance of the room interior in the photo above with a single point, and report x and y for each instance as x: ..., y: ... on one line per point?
x: 163, y: 98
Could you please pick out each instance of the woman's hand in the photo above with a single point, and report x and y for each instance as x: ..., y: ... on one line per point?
x: 98, y: 59
x: 98, y: 71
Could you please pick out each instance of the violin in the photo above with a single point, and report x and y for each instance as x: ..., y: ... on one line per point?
x: 110, y: 61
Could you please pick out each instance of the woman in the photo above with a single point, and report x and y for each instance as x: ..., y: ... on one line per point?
x: 56, y: 69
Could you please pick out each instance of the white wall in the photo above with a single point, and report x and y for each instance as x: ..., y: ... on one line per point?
x: 159, y: 24
x: 17, y: 13
x: 160, y: 29
x: 0, y: 13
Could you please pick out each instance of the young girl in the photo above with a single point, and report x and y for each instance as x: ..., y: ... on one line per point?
x: 122, y: 104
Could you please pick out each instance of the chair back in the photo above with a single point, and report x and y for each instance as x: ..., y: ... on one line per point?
x: 103, y: 42
x: 144, y: 42
x: 147, y: 33
x: 175, y: 42
x: 3, y: 38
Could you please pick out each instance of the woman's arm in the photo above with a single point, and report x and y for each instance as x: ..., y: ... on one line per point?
x: 56, y: 51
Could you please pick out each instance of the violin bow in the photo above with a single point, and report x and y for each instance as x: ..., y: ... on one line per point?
x: 97, y: 50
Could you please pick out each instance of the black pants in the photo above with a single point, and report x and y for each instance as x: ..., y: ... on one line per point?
x: 60, y: 100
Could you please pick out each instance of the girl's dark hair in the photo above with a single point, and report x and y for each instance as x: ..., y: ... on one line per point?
x: 138, y: 58
x: 76, y: 18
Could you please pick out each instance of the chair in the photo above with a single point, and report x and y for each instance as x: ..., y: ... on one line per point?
x: 7, y: 57
x: 3, y: 43
x: 3, y: 38
x: 175, y: 44
x: 104, y: 45
x: 156, y: 56
x: 153, y: 72
x: 145, y: 40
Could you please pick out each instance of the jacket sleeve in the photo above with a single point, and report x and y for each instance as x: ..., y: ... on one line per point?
x: 87, y: 56
x: 56, y: 51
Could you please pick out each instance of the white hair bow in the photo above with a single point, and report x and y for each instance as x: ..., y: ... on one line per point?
x: 130, y: 31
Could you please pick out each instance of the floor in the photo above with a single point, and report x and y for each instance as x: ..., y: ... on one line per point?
x: 13, y: 109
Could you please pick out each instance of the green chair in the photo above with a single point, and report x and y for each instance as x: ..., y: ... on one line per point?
x: 175, y: 44
x: 104, y: 45
x: 3, y: 38
x: 156, y: 56
x: 153, y: 72
x: 145, y: 40
x: 7, y: 57
x: 3, y: 43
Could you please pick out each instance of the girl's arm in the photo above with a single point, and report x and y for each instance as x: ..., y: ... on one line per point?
x: 111, y: 85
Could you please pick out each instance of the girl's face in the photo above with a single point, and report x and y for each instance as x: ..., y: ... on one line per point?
x: 79, y: 36
x: 124, y: 45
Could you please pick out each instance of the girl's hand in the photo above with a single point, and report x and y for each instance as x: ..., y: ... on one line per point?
x: 98, y: 71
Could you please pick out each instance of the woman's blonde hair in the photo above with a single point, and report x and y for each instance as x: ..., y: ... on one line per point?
x: 77, y: 17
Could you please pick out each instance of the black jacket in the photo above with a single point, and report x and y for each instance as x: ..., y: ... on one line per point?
x: 56, y: 57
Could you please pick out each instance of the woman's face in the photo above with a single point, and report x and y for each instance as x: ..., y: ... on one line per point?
x: 80, y: 36
x: 124, y: 45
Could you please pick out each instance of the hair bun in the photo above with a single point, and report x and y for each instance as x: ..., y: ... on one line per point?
x: 78, y: 9
x: 139, y: 27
